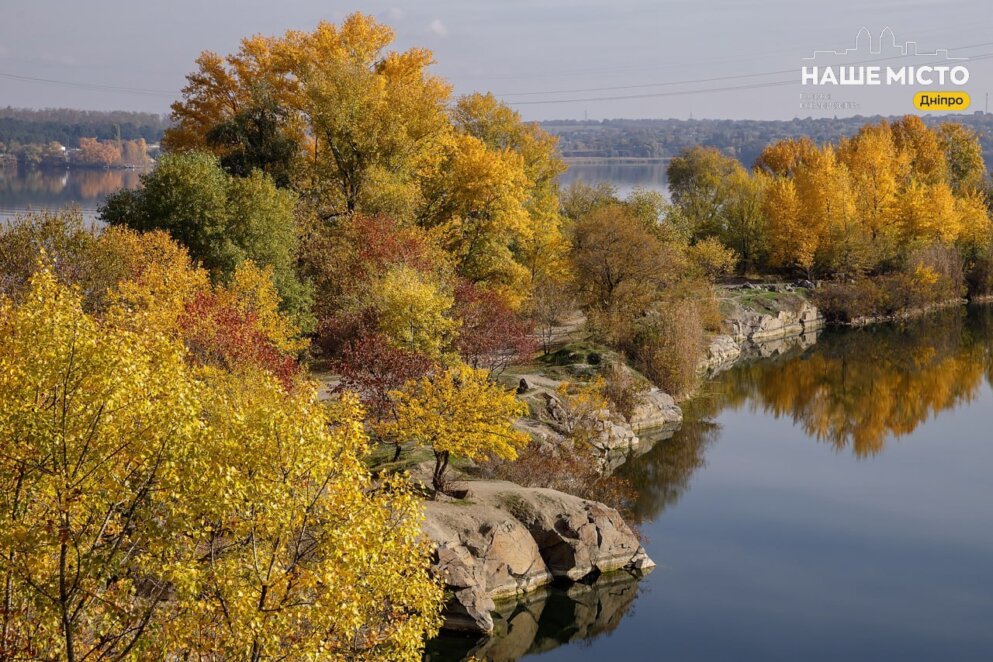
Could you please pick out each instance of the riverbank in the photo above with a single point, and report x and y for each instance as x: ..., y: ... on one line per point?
x: 500, y: 542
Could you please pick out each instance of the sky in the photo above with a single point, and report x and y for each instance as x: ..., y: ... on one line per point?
x: 550, y: 59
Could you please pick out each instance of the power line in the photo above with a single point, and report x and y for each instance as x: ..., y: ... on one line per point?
x: 654, y: 95
x: 706, y: 80
x: 93, y: 86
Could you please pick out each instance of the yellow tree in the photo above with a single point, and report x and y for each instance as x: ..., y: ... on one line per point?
x: 824, y: 191
x: 783, y: 157
x: 476, y: 207
x: 792, y: 241
x: 412, y: 310
x: 927, y: 214
x: 964, y: 155
x: 300, y: 555
x: 877, y: 169
x: 460, y: 411
x: 922, y: 148
x: 543, y: 251
x: 153, y: 507
x: 92, y: 418
x: 378, y: 119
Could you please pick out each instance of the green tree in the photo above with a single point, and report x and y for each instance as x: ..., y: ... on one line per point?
x: 222, y: 220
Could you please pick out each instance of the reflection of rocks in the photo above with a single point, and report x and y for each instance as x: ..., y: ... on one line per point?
x: 779, y: 346
x: 786, y: 323
x: 503, y: 539
x: 543, y: 620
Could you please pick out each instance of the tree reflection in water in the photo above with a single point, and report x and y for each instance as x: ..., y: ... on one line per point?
x: 856, y: 389
x: 859, y: 389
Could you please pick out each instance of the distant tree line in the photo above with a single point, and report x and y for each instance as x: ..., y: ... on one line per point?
x: 67, y: 126
x: 742, y: 139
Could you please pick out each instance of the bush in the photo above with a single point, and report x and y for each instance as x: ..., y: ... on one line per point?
x: 623, y: 389
x: 222, y: 221
x: 669, y: 344
x: 932, y: 275
x: 573, y: 471
x: 979, y: 274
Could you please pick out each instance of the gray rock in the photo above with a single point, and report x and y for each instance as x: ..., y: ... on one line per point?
x: 749, y: 325
x: 504, y: 540
x: 657, y: 409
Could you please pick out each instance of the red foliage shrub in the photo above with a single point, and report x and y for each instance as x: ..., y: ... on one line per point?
x: 220, y: 334
x: 372, y: 367
x: 492, y: 335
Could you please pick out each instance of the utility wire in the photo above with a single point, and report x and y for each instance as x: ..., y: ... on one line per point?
x: 93, y: 86
x: 707, y: 80
x: 654, y: 95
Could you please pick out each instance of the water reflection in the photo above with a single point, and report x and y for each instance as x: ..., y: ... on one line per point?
x: 662, y: 475
x: 859, y: 389
x: 778, y: 540
x: 545, y: 619
x: 22, y: 190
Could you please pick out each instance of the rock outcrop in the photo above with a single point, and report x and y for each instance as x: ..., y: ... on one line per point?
x: 533, y: 623
x: 722, y: 353
x: 766, y: 321
x: 783, y: 314
x: 657, y: 410
x: 502, y: 540
x: 745, y: 324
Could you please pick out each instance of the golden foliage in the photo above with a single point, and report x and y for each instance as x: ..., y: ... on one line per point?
x: 459, y: 411
x: 153, y: 506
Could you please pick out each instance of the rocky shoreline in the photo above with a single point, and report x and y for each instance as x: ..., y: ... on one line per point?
x: 497, y: 541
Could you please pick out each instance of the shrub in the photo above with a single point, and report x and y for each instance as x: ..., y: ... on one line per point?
x: 573, y: 471
x: 623, y: 389
x: 979, y: 272
x: 668, y: 345
x: 932, y: 275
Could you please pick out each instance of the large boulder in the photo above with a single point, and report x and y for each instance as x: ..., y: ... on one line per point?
x: 482, y: 553
x: 656, y: 410
x: 502, y: 540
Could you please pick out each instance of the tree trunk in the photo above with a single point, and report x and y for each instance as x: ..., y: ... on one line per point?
x: 396, y: 455
x: 440, y: 466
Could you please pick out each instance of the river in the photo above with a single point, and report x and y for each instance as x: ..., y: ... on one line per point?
x: 829, y: 504
x: 26, y: 190
x: 32, y: 190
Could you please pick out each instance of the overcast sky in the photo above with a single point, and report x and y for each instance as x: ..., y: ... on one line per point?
x: 533, y: 51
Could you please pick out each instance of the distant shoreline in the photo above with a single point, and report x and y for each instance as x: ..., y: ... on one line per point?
x: 616, y: 160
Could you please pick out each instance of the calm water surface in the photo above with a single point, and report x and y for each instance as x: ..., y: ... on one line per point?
x: 22, y: 191
x: 832, y: 503
x: 624, y: 176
